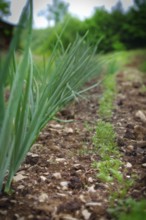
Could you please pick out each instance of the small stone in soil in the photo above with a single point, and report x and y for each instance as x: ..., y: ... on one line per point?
x: 57, y: 126
x: 18, y: 177
x: 93, y: 204
x: 139, y: 114
x: 91, y: 188
x: 86, y: 214
x: 20, y: 187
x: 90, y: 180
x: 60, y: 159
x: 43, y: 178
x: 144, y: 165
x: 57, y: 175
x: 128, y: 165
x: 43, y: 197
x: 130, y: 147
x: 68, y: 130
x: 64, y: 184
x: 3, y: 212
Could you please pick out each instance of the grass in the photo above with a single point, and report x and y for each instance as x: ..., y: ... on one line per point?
x: 36, y: 95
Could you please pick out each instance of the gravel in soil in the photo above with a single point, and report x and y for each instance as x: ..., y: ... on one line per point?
x: 57, y: 181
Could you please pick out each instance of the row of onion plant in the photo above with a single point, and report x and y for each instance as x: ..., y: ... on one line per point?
x: 33, y: 101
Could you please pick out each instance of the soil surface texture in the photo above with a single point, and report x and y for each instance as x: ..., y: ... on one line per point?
x: 57, y: 180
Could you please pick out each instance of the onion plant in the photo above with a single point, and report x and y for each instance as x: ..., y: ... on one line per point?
x: 34, y: 100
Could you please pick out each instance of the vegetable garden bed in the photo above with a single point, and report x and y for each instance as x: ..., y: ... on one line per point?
x: 58, y: 180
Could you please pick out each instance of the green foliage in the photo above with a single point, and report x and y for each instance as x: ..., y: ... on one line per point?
x: 109, y: 170
x: 36, y: 96
x: 10, y: 111
x: 44, y: 40
x: 136, y: 28
x: 118, y: 46
x: 119, y: 30
x: 143, y: 67
x: 104, y: 141
x: 106, y: 101
x: 98, y: 27
x: 104, y: 136
x: 4, y: 8
x: 129, y: 209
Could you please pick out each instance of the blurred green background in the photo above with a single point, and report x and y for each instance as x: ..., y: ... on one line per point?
x: 117, y: 29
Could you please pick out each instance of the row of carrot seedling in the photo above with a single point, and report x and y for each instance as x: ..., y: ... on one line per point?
x: 111, y: 168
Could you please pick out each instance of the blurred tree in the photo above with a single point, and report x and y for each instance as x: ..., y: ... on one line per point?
x: 139, y: 3
x: 135, y: 25
x: 4, y: 8
x: 98, y: 26
x: 57, y: 11
x: 118, y: 7
x: 117, y: 21
x: 118, y: 29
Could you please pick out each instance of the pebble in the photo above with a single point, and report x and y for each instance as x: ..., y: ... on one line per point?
x: 43, y: 178
x: 79, y: 171
x: 32, y: 154
x: 93, y: 204
x: 144, y: 165
x: 90, y: 180
x: 57, y: 175
x: 57, y: 126
x: 139, y: 114
x: 54, y: 147
x: 43, y: 197
x: 60, y: 160
x: 64, y: 184
x: 77, y: 166
x: 86, y: 214
x: 3, y: 212
x: 18, y: 217
x: 128, y: 165
x: 69, y: 130
x: 18, y: 177
x: 128, y: 177
x: 61, y: 194
x: 67, y: 217
x: 130, y: 147
x: 36, y: 146
x: 31, y: 216
x: 20, y: 187
x: 82, y: 198
x: 13, y: 201
x: 91, y: 188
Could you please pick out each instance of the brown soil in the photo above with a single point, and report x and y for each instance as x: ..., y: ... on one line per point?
x: 57, y: 181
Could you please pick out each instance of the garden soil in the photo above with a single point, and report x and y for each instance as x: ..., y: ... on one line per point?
x: 57, y: 180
